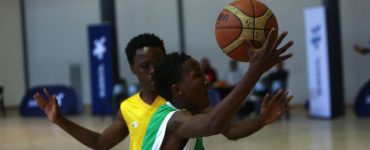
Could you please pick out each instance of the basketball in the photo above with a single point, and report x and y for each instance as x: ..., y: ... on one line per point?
x: 243, y: 20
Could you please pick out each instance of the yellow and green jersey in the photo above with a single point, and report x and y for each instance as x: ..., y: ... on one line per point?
x: 137, y: 115
x: 156, y: 130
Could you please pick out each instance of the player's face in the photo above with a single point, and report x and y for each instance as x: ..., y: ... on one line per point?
x: 144, y: 61
x: 194, y: 85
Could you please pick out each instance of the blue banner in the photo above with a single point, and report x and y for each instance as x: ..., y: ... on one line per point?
x: 67, y: 99
x: 100, y: 52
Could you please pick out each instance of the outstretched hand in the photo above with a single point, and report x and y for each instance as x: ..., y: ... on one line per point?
x: 49, y: 105
x: 271, y: 110
x: 269, y: 54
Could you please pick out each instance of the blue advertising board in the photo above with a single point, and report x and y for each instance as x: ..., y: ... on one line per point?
x: 100, y: 53
x: 68, y: 102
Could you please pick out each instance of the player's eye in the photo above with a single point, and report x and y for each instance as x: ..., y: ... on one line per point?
x: 199, y: 73
x: 144, y: 66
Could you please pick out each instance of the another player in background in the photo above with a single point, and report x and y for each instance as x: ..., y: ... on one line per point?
x: 143, y: 52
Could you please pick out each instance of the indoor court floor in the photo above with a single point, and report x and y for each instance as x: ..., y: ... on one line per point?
x: 299, y: 133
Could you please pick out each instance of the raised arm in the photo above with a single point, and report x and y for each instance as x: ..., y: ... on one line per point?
x: 183, y: 124
x: 110, y: 137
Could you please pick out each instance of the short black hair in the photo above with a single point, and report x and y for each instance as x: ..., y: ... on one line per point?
x: 168, y: 72
x: 140, y: 41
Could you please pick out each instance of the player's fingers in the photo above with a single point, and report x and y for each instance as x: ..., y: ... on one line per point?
x: 54, y: 101
x: 280, y: 39
x: 285, y: 104
x: 40, y: 101
x: 282, y: 99
x: 276, y: 96
x: 288, y: 99
x: 285, y: 47
x: 270, y: 40
x: 47, y: 94
x: 285, y: 57
x: 265, y: 100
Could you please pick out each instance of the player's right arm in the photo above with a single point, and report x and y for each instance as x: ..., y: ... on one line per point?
x: 185, y: 125
x: 110, y: 137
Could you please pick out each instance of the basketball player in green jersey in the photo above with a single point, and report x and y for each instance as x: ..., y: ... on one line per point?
x: 179, y: 79
x: 143, y: 52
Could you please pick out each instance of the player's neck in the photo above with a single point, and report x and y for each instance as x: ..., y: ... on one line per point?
x: 179, y: 104
x: 148, y: 96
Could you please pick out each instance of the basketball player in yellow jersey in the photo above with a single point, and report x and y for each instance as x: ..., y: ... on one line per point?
x: 137, y: 115
x: 143, y: 52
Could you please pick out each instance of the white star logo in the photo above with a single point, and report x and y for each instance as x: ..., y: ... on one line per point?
x: 60, y: 97
x: 99, y: 48
x: 135, y: 124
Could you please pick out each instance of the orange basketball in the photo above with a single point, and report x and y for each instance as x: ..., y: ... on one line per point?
x: 243, y: 19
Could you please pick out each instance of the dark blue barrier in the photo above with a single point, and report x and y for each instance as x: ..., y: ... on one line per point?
x: 68, y: 102
x: 362, y: 103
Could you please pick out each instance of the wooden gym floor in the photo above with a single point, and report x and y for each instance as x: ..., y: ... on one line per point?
x: 299, y: 133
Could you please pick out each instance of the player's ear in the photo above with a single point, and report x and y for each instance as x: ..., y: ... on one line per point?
x: 176, y: 90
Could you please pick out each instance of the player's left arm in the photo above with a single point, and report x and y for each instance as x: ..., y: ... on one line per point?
x: 270, y: 112
x: 240, y: 129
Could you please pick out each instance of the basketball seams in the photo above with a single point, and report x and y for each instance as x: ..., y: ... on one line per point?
x: 262, y: 20
x: 236, y: 43
x: 237, y: 56
x: 240, y: 33
x: 256, y: 20
x: 240, y: 28
x: 256, y: 29
x: 234, y: 11
x: 242, y: 17
x: 240, y: 9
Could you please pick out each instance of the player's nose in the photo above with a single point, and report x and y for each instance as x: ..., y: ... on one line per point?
x: 151, y: 70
